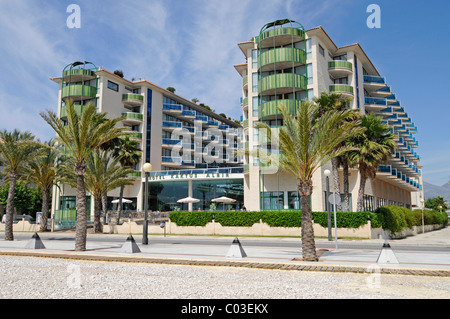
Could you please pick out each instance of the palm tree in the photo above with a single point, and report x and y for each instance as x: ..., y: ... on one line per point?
x: 16, y: 148
x: 129, y: 154
x: 42, y: 172
x: 328, y: 102
x: 102, y: 175
x: 373, y: 147
x: 82, y: 135
x: 306, y: 143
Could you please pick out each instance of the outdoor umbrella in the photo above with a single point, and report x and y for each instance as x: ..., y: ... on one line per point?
x: 223, y: 200
x: 124, y: 200
x: 188, y: 200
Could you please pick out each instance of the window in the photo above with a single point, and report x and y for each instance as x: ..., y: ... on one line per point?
x: 255, y: 82
x: 341, y: 80
x: 113, y: 86
x: 255, y: 106
x: 309, y: 71
x: 308, y: 49
x: 321, y: 50
x: 273, y: 200
x: 255, y: 59
x: 368, y: 203
x: 294, y: 200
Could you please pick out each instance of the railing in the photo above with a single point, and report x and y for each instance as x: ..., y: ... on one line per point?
x: 373, y: 79
x: 375, y: 101
x: 132, y: 97
x: 338, y: 64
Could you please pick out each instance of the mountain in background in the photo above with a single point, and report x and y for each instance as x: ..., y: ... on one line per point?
x: 431, y: 191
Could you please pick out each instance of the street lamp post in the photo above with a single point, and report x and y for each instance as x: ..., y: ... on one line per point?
x: 147, y: 167
x: 423, y: 222
x: 327, y: 174
x: 333, y: 199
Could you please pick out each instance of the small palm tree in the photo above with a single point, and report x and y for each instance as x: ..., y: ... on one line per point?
x: 42, y: 171
x: 129, y: 153
x: 16, y: 148
x: 373, y: 147
x: 82, y: 135
x: 306, y: 143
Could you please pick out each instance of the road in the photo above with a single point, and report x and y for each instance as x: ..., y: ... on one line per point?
x: 398, y: 245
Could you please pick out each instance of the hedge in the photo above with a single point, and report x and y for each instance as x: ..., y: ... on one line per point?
x: 282, y: 218
x: 396, y: 219
x: 392, y: 218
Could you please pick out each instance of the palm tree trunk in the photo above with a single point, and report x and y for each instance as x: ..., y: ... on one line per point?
x: 362, y: 186
x: 336, y: 183
x: 105, y: 207
x: 119, y: 208
x: 45, y: 209
x: 9, y: 235
x: 81, y: 228
x: 308, y: 243
x: 346, y: 187
x: 97, y: 212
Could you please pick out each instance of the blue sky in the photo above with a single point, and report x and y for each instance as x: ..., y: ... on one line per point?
x: 192, y: 45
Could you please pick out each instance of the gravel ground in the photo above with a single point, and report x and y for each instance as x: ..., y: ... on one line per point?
x: 46, y: 278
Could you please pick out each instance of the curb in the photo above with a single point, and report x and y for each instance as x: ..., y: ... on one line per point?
x: 240, y: 264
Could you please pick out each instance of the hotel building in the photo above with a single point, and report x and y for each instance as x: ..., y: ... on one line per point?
x: 195, y: 152
x: 287, y: 64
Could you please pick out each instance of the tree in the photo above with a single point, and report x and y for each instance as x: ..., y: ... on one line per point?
x: 82, y: 135
x: 102, y: 175
x: 171, y: 89
x: 435, y: 202
x: 195, y: 100
x: 129, y: 154
x: 16, y: 148
x: 42, y: 171
x: 373, y: 147
x: 119, y: 73
x: 26, y: 199
x: 328, y: 102
x: 306, y: 143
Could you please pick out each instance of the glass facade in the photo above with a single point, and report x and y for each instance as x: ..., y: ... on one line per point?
x: 163, y: 196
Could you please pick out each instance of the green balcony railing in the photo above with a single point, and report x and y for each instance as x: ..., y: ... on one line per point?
x: 133, y: 116
x: 283, y: 81
x: 245, y: 80
x: 78, y: 110
x: 271, y: 107
x: 294, y: 55
x: 337, y: 64
x: 132, y: 97
x: 78, y: 90
x: 341, y: 88
x: 79, y: 72
x: 280, y: 32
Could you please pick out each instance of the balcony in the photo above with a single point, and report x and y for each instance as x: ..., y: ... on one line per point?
x: 339, y: 69
x: 171, y: 125
x: 133, y: 135
x: 343, y: 89
x: 78, y: 75
x: 132, y: 118
x: 373, y: 83
x: 279, y: 37
x: 136, y: 174
x: 170, y: 143
x: 375, y: 104
x: 78, y: 110
x: 282, y: 83
x: 173, y: 109
x: 78, y: 92
x: 270, y: 109
x: 281, y: 58
x: 188, y: 114
x: 131, y: 100
x: 171, y: 161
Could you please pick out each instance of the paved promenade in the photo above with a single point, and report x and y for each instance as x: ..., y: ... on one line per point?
x: 425, y: 254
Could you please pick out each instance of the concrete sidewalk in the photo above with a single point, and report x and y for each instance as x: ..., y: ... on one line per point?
x: 410, y: 261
